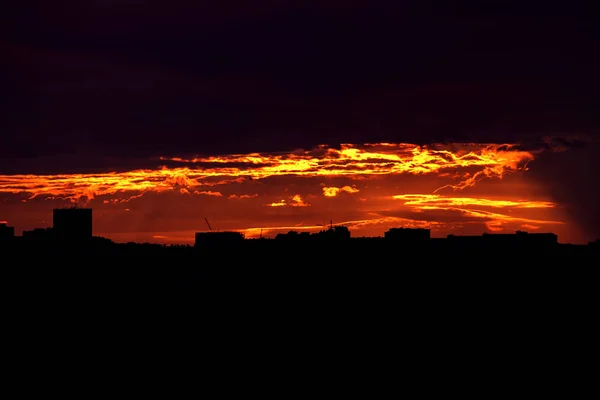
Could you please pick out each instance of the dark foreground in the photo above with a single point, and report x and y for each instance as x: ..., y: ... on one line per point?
x: 286, y: 269
x: 301, y: 304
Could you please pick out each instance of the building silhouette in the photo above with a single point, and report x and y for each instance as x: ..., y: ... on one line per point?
x: 72, y: 223
x: 39, y: 234
x: 6, y: 232
x: 207, y: 239
x: 537, y: 238
x: 334, y: 233
x: 408, y: 234
x: 331, y: 233
x: 293, y: 235
x: 506, y: 240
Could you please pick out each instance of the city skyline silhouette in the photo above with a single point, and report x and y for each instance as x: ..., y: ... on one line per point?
x: 73, y: 227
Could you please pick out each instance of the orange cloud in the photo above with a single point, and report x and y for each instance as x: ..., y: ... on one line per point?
x: 433, y: 201
x: 281, y: 203
x: 497, y: 221
x: 334, y: 191
x: 208, y: 193
x: 298, y: 201
x: 494, y: 221
x: 294, y: 201
x: 242, y: 196
x: 468, y: 163
x: 530, y: 227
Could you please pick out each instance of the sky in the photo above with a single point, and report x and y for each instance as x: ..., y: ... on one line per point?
x: 270, y: 116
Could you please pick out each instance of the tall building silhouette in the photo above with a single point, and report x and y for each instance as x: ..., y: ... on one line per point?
x: 72, y: 223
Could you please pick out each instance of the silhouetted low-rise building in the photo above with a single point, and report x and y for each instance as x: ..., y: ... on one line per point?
x: 521, y: 238
x: 501, y: 240
x: 6, y: 232
x: 333, y: 233
x: 538, y: 238
x: 293, y: 235
x: 207, y: 239
x: 465, y: 240
x: 505, y: 240
x: 408, y: 234
x: 72, y: 223
x: 39, y: 234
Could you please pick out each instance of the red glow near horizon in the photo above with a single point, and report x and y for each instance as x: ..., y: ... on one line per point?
x: 369, y: 188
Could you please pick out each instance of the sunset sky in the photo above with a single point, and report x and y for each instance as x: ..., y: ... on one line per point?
x: 265, y: 117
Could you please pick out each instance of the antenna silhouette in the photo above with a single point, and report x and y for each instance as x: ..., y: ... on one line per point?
x: 207, y: 223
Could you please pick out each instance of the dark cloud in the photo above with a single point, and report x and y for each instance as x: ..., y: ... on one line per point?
x: 558, y: 142
x: 153, y: 78
x: 566, y: 143
x: 570, y: 178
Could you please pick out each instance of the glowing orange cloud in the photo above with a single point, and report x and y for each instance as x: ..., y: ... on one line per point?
x: 207, y: 193
x: 242, y: 196
x: 294, y: 201
x: 467, y: 162
x: 494, y: 160
x: 334, y: 191
x: 280, y: 203
x: 530, y: 227
x: 433, y: 201
x: 495, y: 221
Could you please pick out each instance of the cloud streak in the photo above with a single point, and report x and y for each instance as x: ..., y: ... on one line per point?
x: 434, y: 201
x: 334, y: 191
x: 294, y: 201
x: 495, y: 221
x: 467, y: 163
x: 242, y: 196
